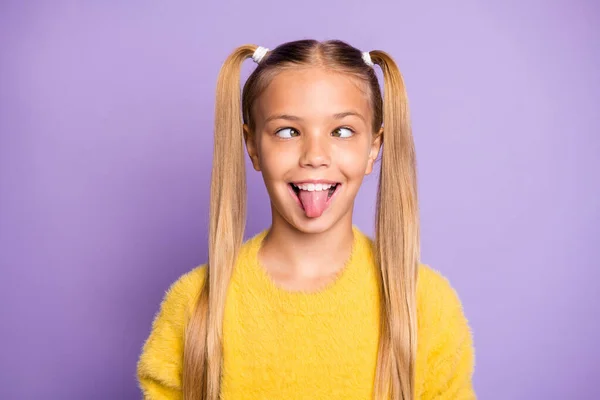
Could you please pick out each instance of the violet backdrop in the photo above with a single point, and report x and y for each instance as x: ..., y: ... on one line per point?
x: 106, y: 112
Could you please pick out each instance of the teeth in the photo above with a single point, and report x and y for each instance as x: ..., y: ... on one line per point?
x: 311, y: 187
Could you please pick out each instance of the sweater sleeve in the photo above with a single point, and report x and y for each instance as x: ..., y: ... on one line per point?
x: 450, y: 356
x: 159, y: 368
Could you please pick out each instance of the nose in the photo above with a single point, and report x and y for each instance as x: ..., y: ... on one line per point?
x: 315, y: 151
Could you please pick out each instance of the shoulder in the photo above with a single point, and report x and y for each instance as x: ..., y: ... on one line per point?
x: 444, y: 331
x: 445, y: 354
x: 179, y: 300
x: 183, y: 293
x: 440, y: 316
x: 169, y: 322
x: 190, y: 281
x: 435, y: 295
x: 160, y: 367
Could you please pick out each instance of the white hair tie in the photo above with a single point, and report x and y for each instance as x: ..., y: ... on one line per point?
x: 367, y: 58
x: 259, y: 53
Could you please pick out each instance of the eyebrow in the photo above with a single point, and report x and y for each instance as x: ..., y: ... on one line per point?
x: 289, y: 117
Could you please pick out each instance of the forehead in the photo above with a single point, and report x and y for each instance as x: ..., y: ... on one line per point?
x: 313, y: 93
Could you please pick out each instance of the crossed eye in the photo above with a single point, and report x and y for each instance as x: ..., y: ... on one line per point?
x: 287, y: 133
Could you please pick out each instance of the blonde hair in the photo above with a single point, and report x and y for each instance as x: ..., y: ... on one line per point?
x: 397, y: 244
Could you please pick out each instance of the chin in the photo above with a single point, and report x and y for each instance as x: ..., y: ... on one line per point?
x: 314, y: 225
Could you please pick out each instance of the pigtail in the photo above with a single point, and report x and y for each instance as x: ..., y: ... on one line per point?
x: 202, y: 354
x: 397, y: 244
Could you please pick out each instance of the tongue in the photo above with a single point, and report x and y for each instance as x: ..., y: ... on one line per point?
x: 314, y: 203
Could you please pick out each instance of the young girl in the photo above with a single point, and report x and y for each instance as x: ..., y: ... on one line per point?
x: 311, y: 308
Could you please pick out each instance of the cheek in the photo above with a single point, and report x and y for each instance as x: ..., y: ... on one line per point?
x: 276, y: 161
x: 353, y: 162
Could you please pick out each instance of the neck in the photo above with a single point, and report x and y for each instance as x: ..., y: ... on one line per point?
x: 295, y: 253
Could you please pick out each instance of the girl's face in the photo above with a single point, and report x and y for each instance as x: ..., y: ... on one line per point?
x: 313, y: 144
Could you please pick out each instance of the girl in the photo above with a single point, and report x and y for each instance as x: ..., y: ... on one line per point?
x: 311, y: 308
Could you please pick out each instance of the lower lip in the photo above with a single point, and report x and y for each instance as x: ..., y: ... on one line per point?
x: 327, y: 203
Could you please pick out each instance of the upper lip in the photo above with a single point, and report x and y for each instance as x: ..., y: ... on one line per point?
x: 315, y: 181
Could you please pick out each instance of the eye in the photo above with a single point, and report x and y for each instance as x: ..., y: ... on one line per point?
x: 343, y: 132
x: 287, y: 133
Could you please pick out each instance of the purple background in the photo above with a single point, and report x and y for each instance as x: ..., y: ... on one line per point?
x: 106, y: 115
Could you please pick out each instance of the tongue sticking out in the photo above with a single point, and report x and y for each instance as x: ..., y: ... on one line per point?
x: 314, y: 203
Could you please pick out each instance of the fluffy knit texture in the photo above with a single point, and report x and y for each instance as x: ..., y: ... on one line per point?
x: 321, y: 345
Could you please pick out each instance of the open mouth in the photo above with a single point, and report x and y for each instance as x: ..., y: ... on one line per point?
x: 312, y: 198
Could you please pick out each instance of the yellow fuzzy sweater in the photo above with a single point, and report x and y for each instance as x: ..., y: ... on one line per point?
x: 322, y: 345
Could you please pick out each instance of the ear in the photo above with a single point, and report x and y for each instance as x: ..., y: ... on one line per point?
x: 374, y: 151
x: 251, y: 146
